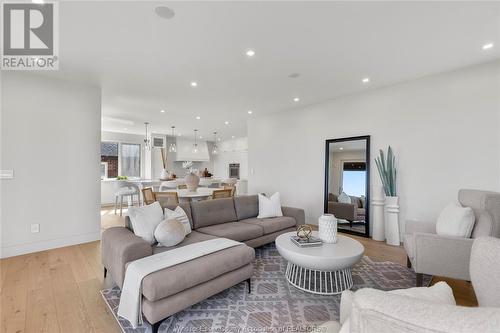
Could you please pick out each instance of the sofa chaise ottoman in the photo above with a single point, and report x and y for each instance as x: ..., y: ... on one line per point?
x: 173, y: 289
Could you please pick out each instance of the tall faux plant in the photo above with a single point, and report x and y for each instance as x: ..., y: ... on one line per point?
x: 387, y: 171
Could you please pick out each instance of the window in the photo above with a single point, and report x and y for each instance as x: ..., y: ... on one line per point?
x: 354, y: 178
x: 109, y: 159
x: 130, y: 160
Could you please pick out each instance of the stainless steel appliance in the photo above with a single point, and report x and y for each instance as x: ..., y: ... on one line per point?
x: 234, y: 170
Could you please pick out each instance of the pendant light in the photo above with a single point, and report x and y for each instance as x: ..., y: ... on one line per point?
x: 195, y: 145
x: 215, y: 150
x: 172, y: 147
x: 147, y: 139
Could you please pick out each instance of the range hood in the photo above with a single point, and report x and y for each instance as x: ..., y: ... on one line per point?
x: 185, y: 151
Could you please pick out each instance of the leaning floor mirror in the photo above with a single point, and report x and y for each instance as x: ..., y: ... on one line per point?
x: 347, y: 181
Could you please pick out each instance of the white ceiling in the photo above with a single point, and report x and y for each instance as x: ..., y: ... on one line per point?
x: 145, y: 63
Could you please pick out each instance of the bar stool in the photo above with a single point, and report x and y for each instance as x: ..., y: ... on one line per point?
x: 128, y: 190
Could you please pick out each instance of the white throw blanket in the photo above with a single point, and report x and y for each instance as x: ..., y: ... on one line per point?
x: 131, y: 296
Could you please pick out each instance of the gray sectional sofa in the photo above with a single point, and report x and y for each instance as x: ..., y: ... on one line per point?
x: 171, y: 290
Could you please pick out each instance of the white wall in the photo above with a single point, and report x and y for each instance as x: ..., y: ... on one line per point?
x: 231, y: 151
x: 444, y: 130
x: 51, y: 139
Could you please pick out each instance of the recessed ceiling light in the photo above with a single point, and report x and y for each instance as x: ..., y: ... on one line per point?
x: 487, y: 46
x: 194, y: 84
x: 218, y: 139
x: 365, y: 80
x: 162, y: 111
x: 250, y: 52
x: 179, y: 134
x: 164, y: 12
x: 126, y: 129
x: 249, y: 111
x: 198, y: 117
x: 226, y: 122
x: 296, y: 99
x: 37, y: 1
x: 201, y: 137
x: 232, y: 136
x: 341, y: 148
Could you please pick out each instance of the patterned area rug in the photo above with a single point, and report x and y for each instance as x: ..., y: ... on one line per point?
x: 274, y: 305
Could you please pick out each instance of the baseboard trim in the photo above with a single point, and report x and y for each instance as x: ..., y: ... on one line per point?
x: 16, y: 250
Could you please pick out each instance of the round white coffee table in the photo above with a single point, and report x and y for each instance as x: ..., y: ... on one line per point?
x: 324, y: 269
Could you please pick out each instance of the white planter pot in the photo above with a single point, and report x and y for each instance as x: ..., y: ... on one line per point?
x: 392, y: 221
x: 327, y: 228
x: 377, y: 214
x: 164, y: 174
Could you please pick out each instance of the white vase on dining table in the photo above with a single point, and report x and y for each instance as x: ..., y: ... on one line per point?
x: 192, y: 181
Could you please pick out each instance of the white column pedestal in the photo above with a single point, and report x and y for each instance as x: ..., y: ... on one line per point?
x: 377, y: 214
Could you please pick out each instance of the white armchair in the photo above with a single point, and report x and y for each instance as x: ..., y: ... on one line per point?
x: 429, y: 253
x: 427, y: 309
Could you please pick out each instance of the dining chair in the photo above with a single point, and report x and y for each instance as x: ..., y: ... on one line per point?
x: 232, y: 188
x: 128, y: 190
x: 182, y: 187
x: 148, y: 195
x: 219, y: 194
x: 167, y: 198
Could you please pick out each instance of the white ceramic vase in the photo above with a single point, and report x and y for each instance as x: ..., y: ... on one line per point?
x: 392, y: 221
x: 192, y: 182
x: 377, y: 214
x: 327, y: 228
x: 164, y: 175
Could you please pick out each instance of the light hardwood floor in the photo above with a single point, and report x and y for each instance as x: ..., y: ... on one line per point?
x: 58, y: 290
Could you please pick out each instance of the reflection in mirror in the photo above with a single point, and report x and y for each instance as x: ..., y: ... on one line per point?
x: 347, y: 183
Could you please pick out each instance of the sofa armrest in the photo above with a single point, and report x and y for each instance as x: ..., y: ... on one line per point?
x: 120, y: 246
x: 297, y: 213
x: 379, y: 311
x: 412, y: 226
x: 342, y: 210
x: 443, y: 256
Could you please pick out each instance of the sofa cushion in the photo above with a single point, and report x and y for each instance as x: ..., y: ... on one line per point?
x: 360, y: 212
x: 172, y: 280
x: 209, y: 212
x: 246, y: 206
x: 186, y: 207
x: 270, y: 225
x: 237, y: 231
x: 193, y: 237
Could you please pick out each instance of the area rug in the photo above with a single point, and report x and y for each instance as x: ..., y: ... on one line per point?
x: 273, y: 305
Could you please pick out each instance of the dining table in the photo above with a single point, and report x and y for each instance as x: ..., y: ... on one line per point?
x: 201, y: 193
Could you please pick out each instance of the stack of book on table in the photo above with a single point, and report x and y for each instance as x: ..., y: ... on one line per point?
x: 306, y: 242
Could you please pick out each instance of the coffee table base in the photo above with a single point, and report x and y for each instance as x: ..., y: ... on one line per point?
x: 319, y: 282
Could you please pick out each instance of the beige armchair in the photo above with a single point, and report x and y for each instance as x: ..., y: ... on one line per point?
x: 429, y: 253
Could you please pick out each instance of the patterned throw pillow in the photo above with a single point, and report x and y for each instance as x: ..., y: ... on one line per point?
x: 180, y: 215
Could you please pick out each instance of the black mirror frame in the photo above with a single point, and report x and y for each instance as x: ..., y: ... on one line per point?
x: 327, y: 175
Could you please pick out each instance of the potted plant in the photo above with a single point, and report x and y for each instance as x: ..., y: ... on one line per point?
x: 388, y: 174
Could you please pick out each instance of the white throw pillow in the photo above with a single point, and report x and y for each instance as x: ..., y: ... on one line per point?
x: 145, y: 219
x: 269, y: 207
x: 180, y: 215
x: 169, y: 232
x: 455, y: 221
x: 344, y: 198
